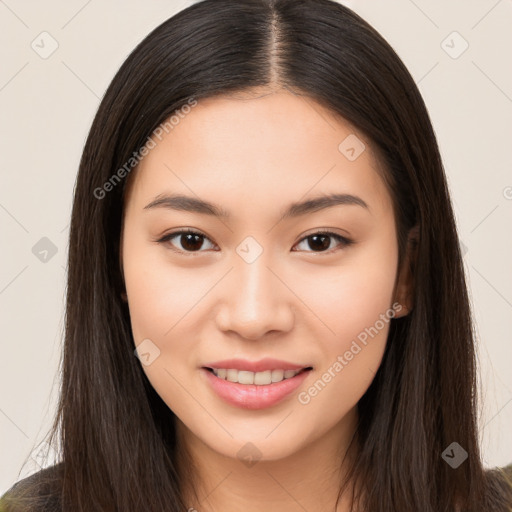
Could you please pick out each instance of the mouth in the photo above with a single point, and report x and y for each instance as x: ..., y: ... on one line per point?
x: 262, y: 378
x: 247, y: 389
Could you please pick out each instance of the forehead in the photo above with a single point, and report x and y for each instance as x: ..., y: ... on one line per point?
x: 274, y: 147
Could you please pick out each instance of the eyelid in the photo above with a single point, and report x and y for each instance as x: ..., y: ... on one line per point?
x: 343, y: 240
x: 165, y: 239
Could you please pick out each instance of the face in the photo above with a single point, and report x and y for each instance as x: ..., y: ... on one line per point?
x: 262, y: 285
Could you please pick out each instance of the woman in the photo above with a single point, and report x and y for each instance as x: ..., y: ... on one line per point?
x: 316, y: 351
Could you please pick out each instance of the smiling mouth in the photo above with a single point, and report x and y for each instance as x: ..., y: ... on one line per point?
x: 263, y: 378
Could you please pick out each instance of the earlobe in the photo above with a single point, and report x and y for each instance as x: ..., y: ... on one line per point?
x: 404, y: 289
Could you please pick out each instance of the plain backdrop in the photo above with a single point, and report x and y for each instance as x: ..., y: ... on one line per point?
x: 56, y: 61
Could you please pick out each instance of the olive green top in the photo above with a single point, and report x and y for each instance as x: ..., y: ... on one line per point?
x: 41, y: 490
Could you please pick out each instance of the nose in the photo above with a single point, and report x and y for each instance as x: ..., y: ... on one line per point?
x: 255, y: 301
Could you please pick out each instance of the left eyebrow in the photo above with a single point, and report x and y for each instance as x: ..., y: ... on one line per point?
x: 196, y: 205
x: 322, y: 202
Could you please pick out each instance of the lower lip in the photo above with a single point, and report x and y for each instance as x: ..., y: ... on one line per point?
x: 251, y: 396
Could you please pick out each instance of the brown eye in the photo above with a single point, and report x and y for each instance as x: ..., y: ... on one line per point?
x: 321, y: 241
x: 188, y: 240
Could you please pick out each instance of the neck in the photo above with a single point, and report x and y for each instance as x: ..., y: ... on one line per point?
x: 309, y: 479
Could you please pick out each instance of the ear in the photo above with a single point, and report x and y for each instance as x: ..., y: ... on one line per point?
x: 404, y: 287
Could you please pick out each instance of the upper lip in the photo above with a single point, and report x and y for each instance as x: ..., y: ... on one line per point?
x: 256, y: 366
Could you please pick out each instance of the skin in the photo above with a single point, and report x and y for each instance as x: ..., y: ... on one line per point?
x: 253, y: 155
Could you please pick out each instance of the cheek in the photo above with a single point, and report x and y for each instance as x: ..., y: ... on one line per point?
x: 161, y: 295
x: 351, y: 297
x: 162, y: 302
x: 354, y: 302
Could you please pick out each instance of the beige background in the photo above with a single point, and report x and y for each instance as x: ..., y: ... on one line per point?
x: 47, y: 105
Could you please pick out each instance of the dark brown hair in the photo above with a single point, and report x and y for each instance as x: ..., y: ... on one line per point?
x: 117, y: 435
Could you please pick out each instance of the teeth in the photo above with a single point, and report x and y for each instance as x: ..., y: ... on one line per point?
x: 245, y: 377
x: 262, y: 378
x: 258, y: 378
x: 277, y: 375
x: 232, y: 375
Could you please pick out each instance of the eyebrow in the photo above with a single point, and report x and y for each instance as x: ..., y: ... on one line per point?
x: 196, y: 205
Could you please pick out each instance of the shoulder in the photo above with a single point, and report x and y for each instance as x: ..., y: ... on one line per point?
x: 499, y: 488
x: 39, y: 492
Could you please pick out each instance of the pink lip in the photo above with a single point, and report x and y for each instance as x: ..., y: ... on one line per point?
x: 255, y: 366
x: 251, y: 396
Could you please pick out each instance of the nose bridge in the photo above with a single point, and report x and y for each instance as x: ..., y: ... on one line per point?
x: 254, y: 280
x: 252, y: 274
x: 255, y: 301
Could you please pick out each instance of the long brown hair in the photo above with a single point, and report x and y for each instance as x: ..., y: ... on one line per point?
x: 117, y: 435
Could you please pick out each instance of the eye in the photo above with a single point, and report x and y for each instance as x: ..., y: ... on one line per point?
x: 190, y: 241
x: 321, y: 241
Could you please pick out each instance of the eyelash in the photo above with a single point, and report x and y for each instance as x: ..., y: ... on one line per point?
x: 344, y: 242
